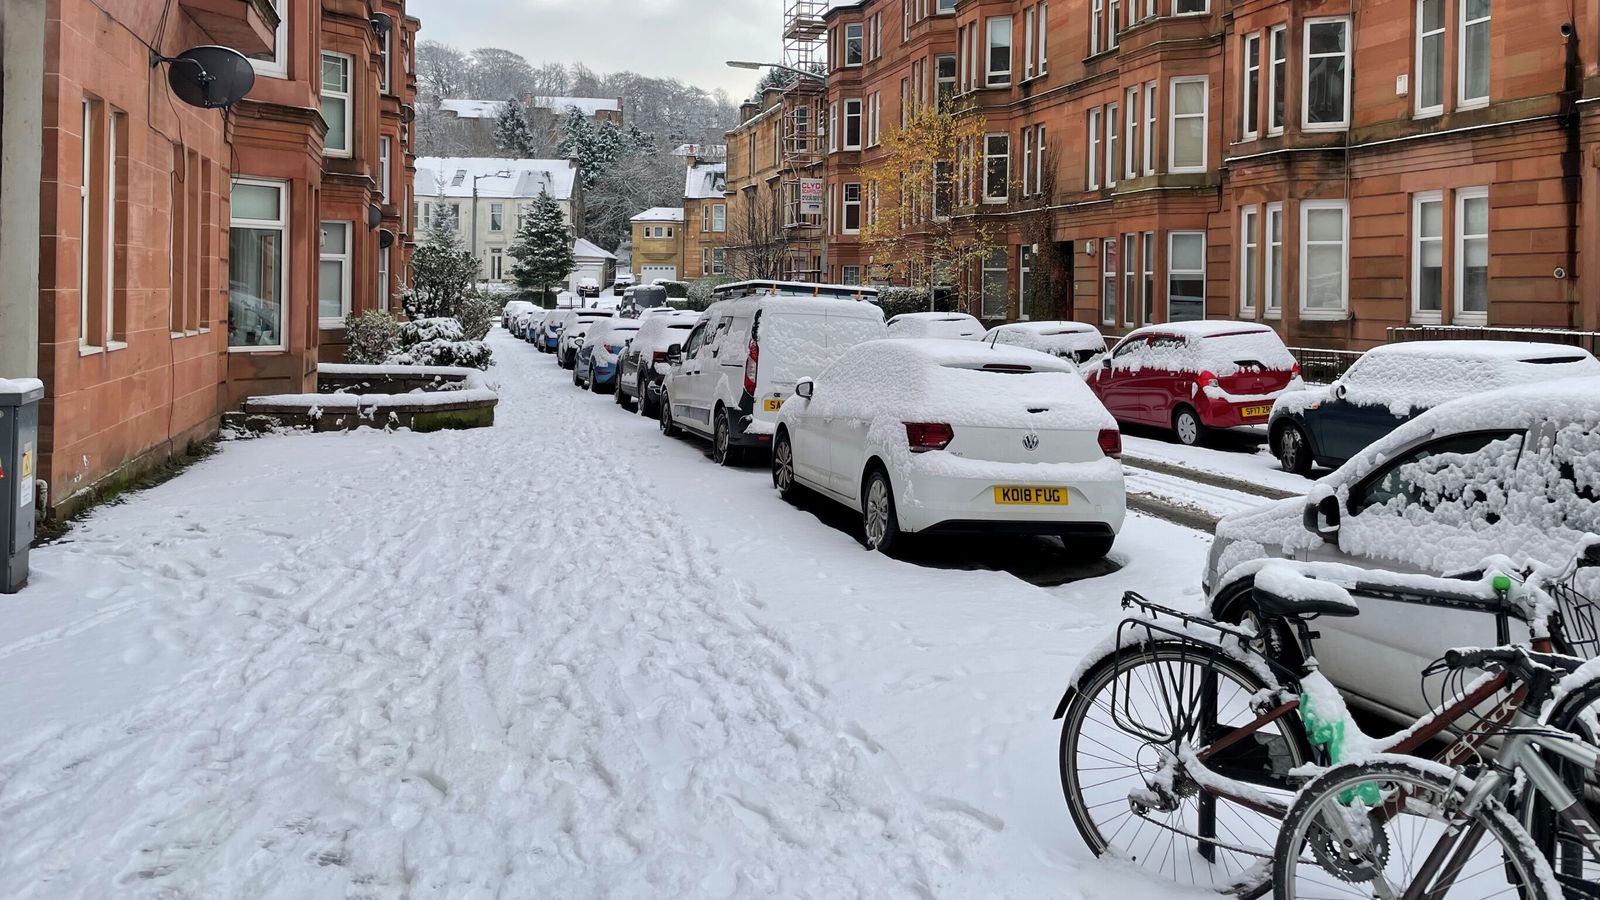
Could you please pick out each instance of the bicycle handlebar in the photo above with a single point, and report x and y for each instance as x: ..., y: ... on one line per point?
x: 1520, y: 660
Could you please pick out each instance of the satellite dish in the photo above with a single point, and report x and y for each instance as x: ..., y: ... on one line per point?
x: 381, y: 23
x: 374, y: 216
x: 210, y: 77
x: 385, y: 238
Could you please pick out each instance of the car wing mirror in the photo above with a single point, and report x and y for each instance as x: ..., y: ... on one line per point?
x: 1340, y: 391
x: 1106, y: 364
x: 804, y: 388
x: 674, y: 354
x: 1322, y: 517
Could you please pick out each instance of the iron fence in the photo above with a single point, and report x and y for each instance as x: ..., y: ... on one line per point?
x: 1323, y: 366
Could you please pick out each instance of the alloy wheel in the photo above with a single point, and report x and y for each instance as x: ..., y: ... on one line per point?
x: 877, y: 512
x: 783, y: 466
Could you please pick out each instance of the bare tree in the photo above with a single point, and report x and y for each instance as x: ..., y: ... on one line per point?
x: 498, y: 74
x: 757, y: 242
x: 1046, y: 294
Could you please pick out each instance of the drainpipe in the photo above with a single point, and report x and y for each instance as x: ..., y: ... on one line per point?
x: 22, y: 62
x: 1571, y: 158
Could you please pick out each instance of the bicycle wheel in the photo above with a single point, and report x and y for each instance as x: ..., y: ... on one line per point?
x: 1578, y: 714
x: 1133, y: 710
x: 1381, y: 828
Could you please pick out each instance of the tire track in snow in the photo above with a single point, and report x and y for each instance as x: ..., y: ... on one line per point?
x: 474, y: 689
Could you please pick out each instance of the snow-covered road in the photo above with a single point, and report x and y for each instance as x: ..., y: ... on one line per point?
x: 562, y: 657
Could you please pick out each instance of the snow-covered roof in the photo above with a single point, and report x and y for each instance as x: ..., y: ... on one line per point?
x: 660, y: 214
x: 702, y: 151
x: 473, y: 109
x: 451, y: 176
x: 587, y: 105
x: 705, y: 181
x: 581, y: 247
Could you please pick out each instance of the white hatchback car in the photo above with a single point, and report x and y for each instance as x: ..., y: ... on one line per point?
x: 958, y: 326
x: 1079, y: 342
x: 955, y: 436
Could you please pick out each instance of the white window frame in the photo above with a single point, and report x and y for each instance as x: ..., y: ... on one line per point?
x: 1343, y: 311
x: 1147, y: 288
x: 1131, y: 143
x: 1205, y: 122
x: 86, y: 341
x: 1044, y: 38
x: 1462, y: 100
x: 1277, y: 76
x: 497, y: 216
x: 1108, y: 278
x: 1093, y: 156
x: 833, y: 127
x: 1151, y: 92
x: 383, y: 67
x: 987, y: 263
x: 846, y: 204
x: 860, y: 124
x: 988, y: 156
x: 719, y: 261
x: 874, y: 119
x: 1305, y: 73
x: 1459, y: 267
x: 719, y: 217
x: 1096, y: 21
x: 1029, y: 15
x: 860, y: 38
x: 1113, y: 139
x: 278, y: 65
x: 1271, y: 273
x: 348, y: 96
x: 281, y: 224
x: 497, y: 262
x: 1038, y: 160
x: 1177, y: 10
x: 1025, y: 255
x: 344, y: 260
x: 1113, y: 17
x: 1249, y: 253
x: 1027, y: 160
x: 1418, y: 314
x: 1442, y: 35
x: 383, y: 277
x: 993, y: 77
x: 383, y: 169
x: 1250, y: 121
x: 1172, y: 237
x: 1130, y: 269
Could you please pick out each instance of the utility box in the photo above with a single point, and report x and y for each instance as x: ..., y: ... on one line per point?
x: 19, y: 456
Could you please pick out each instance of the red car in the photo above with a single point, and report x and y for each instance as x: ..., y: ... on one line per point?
x: 1192, y: 376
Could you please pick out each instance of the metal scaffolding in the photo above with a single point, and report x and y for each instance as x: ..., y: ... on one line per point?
x: 805, y: 49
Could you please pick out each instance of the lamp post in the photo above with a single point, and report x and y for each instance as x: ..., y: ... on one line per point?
x: 746, y: 64
x: 503, y: 173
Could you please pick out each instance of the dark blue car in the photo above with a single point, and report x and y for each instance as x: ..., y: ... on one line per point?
x: 1395, y: 383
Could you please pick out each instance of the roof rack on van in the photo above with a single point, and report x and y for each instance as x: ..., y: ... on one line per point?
x: 773, y: 287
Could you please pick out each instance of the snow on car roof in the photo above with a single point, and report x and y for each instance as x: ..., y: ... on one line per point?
x: 934, y: 317
x: 1512, y: 350
x: 1048, y: 328
x: 803, y: 305
x: 1207, y: 328
x: 975, y: 354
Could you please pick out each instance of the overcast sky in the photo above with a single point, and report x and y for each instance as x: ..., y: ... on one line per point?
x: 684, y: 39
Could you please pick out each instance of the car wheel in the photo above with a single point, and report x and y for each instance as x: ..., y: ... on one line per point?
x: 723, y: 453
x: 594, y: 383
x: 641, y: 400
x: 668, y: 427
x: 1186, y: 425
x: 1090, y: 548
x: 1292, y: 449
x: 879, y: 524
x: 576, y: 381
x: 783, y: 467
x: 619, y: 395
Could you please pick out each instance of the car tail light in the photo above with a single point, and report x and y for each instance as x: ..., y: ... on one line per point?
x: 751, y: 360
x: 1207, y: 379
x: 1294, y: 371
x: 925, y: 436
x: 1111, y: 442
x: 613, y: 348
x: 659, y: 356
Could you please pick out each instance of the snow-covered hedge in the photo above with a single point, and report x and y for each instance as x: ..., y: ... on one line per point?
x: 478, y: 312
x: 677, y: 289
x: 700, y: 291
x: 438, y: 342
x: 374, y: 336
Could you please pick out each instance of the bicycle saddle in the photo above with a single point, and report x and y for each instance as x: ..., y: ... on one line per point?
x: 1283, y: 590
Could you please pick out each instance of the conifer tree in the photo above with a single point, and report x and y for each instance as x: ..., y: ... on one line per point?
x: 542, y: 249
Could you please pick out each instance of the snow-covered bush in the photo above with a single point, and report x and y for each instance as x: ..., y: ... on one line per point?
x: 472, y: 354
x: 699, y: 296
x: 374, y: 336
x: 439, y: 328
x: 675, y: 289
x: 443, y: 272
x: 478, y: 313
x: 438, y: 342
x: 897, y: 301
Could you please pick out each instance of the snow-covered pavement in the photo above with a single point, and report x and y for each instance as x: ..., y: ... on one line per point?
x: 561, y: 657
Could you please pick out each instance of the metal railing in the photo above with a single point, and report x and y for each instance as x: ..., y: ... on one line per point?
x: 1588, y: 340
x: 1323, y: 366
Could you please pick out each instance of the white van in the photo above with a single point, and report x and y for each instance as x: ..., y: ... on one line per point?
x: 730, y: 376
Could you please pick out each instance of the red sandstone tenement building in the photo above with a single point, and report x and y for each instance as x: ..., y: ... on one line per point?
x: 186, y: 257
x: 1333, y: 168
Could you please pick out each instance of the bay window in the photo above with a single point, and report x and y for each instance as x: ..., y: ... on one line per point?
x: 1326, y: 94
x: 383, y: 169
x: 1113, y: 124
x: 852, y: 208
x: 994, y: 284
x: 1130, y: 167
x: 257, y: 267
x: 1252, y: 86
x: 852, y: 125
x: 1249, y: 253
x: 1093, y: 158
x: 1324, y: 273
x: 336, y: 68
x: 1186, y: 276
x: 998, y: 29
x: 1108, y: 281
x: 1130, y: 277
x: 1149, y: 128
x: 1277, y: 78
x: 853, y: 33
x: 333, y: 274
x: 996, y: 167
x: 1272, y: 276
x: 1187, y: 122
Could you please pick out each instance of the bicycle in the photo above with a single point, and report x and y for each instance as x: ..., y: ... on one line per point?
x: 1397, y: 826
x: 1184, y: 739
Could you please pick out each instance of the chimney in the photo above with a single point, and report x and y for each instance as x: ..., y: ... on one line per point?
x: 749, y: 110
